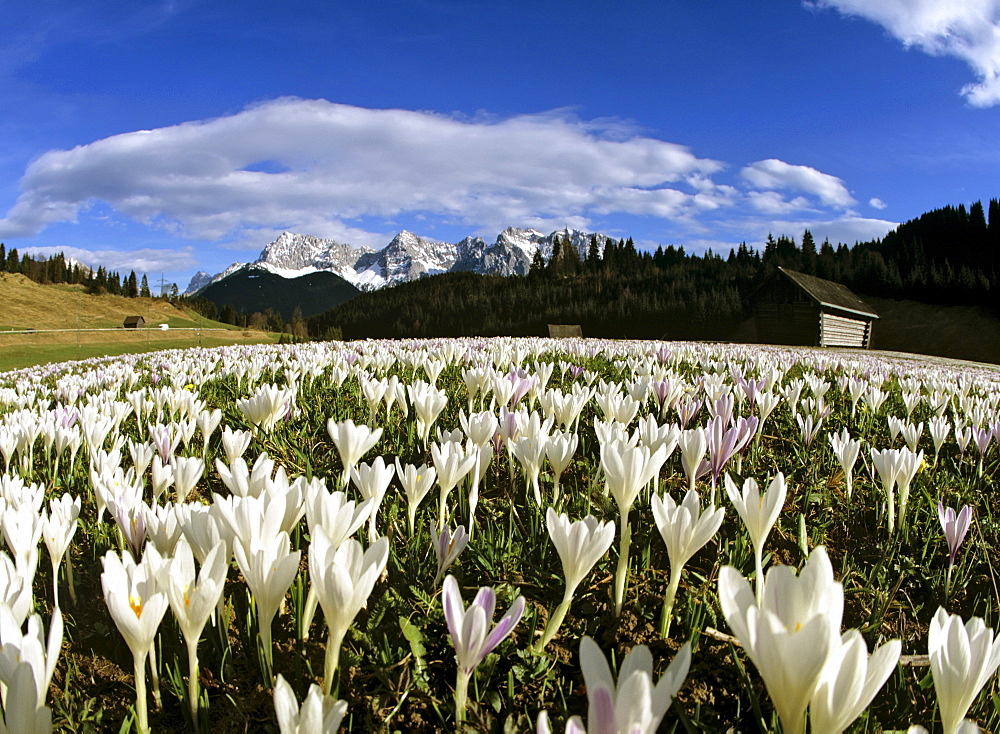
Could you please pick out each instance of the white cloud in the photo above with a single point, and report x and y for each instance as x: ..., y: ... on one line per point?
x: 772, y: 175
x: 773, y: 203
x: 965, y: 29
x: 141, y: 261
x: 849, y: 229
x: 311, y: 165
x: 877, y: 203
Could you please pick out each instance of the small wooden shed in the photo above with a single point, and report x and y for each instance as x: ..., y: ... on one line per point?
x: 565, y: 331
x: 794, y: 308
x: 134, y: 322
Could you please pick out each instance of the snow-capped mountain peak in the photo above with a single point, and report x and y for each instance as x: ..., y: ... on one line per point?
x: 407, y: 257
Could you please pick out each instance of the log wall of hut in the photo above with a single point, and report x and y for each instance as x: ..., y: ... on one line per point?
x: 784, y: 314
x: 840, y: 331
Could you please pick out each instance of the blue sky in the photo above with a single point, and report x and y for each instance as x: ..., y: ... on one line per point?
x: 171, y: 137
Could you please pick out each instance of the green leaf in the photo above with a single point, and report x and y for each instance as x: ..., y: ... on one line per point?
x: 415, y: 637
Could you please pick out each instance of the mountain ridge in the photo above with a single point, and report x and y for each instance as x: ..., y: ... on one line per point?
x: 407, y: 257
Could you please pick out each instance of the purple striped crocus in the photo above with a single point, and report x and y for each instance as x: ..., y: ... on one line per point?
x: 470, y: 632
x: 955, y: 527
x: 724, y: 443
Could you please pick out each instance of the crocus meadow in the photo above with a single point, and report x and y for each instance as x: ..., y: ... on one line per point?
x: 624, y: 537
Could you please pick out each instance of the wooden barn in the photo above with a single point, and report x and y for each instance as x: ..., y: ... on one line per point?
x: 564, y: 331
x: 134, y: 322
x: 794, y: 308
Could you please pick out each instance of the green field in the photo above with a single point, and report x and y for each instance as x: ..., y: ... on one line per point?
x: 41, y: 324
x: 18, y: 350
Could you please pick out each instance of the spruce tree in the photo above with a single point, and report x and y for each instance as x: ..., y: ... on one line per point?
x: 593, y: 254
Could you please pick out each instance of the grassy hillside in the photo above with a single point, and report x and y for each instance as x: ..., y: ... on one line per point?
x: 30, y: 305
x: 959, y: 332
x: 64, y: 320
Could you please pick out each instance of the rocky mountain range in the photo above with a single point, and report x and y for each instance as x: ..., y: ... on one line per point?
x: 406, y: 257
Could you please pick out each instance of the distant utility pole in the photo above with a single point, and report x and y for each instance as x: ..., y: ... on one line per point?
x: 163, y: 285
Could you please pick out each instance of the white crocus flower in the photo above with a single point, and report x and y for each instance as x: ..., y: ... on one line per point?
x: 243, y: 481
x: 193, y: 597
x: 207, y: 422
x: 529, y: 450
x: 137, y: 609
x: 851, y: 680
x: 319, y: 714
x: 791, y: 633
x: 269, y: 569
x: 480, y: 428
x: 580, y: 545
x: 22, y: 715
x: 339, y: 517
x: 162, y: 477
x: 235, y: 443
x: 846, y: 450
x: 58, y: 528
x: 373, y: 480
x: 344, y: 578
x: 203, y: 526
x: 693, y: 444
x: 352, y: 442
x: 428, y: 402
x: 964, y: 656
x: 417, y: 482
x: 267, y: 406
x: 896, y: 467
x: 759, y: 513
x: 15, y: 591
x: 188, y: 471
x: 627, y: 469
x: 559, y: 450
x: 452, y: 464
x: 685, y: 529
x: 886, y: 463
x: 634, y: 705
x: 163, y: 527
x: 31, y: 647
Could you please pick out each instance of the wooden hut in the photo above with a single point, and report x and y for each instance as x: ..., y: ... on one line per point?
x: 564, y: 331
x: 134, y: 322
x: 794, y: 308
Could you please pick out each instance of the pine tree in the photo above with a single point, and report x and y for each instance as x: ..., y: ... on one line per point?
x: 593, y: 254
x: 808, y: 253
x: 554, y: 261
x: 144, y: 287
x: 537, y: 263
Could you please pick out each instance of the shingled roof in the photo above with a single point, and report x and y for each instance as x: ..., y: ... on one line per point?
x: 830, y: 294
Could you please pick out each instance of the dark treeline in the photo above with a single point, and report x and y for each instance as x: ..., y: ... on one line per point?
x: 270, y: 319
x: 947, y: 256
x: 624, y: 293
x: 56, y: 269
